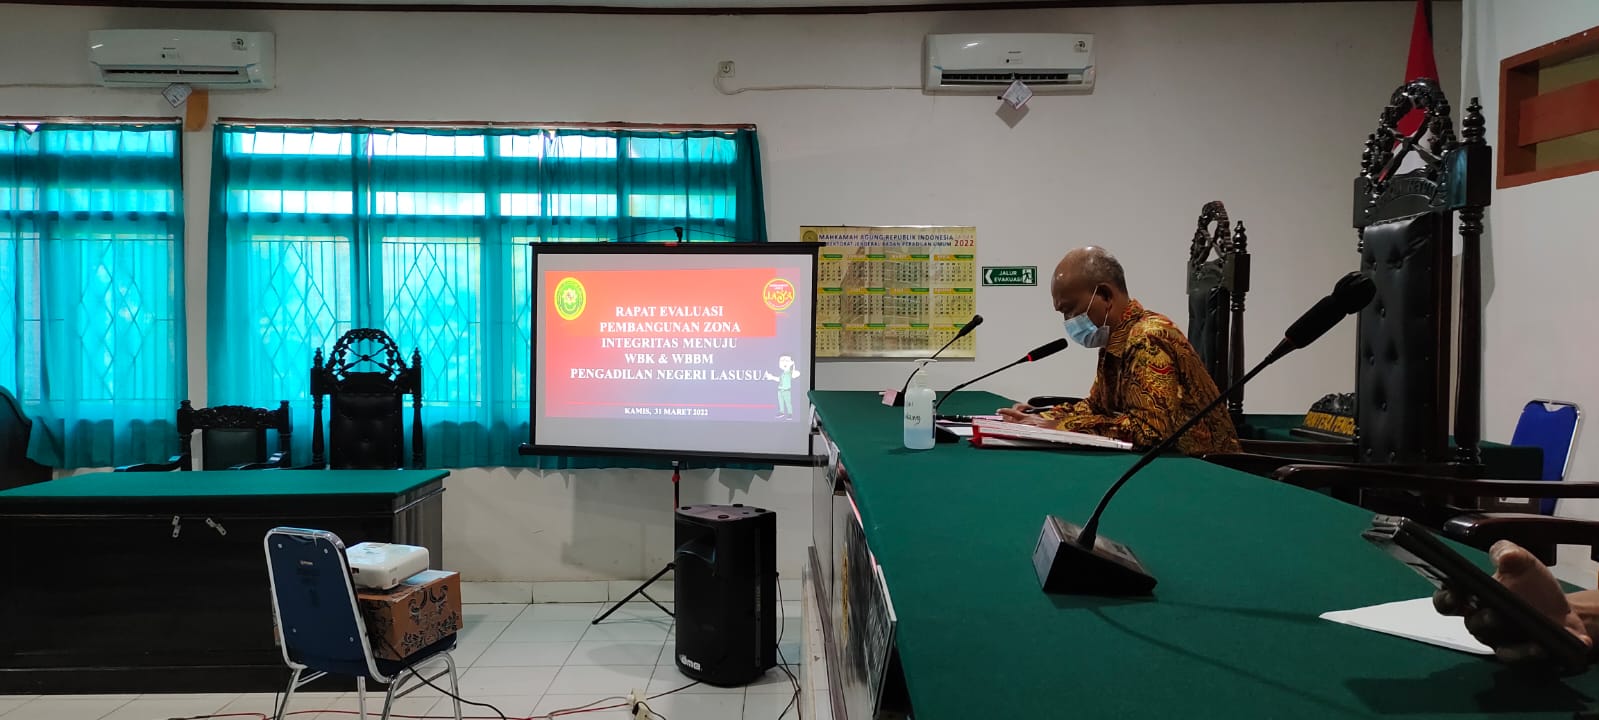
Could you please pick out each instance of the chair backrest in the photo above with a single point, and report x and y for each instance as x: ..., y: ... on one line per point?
x: 1207, y: 293
x: 15, y: 428
x: 1551, y: 425
x: 1405, y: 221
x: 319, y: 624
x: 1218, y: 281
x: 233, y: 434
x: 365, y: 379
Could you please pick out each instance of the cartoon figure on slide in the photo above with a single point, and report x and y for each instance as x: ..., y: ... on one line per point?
x: 785, y: 377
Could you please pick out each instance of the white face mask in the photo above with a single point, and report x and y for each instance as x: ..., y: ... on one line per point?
x: 1083, y: 331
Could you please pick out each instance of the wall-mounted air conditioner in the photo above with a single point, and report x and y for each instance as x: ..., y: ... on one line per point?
x: 1046, y: 62
x: 211, y: 59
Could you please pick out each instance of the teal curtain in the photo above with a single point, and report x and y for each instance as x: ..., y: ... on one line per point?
x: 91, y: 288
x: 423, y: 233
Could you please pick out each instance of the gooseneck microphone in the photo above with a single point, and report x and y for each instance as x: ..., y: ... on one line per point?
x: 1037, y: 353
x: 899, y: 400
x: 1076, y: 560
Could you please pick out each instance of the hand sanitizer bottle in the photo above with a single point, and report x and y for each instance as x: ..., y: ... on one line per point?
x: 919, y: 399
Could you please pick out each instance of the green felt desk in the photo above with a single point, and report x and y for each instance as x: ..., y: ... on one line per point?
x: 227, y: 484
x: 1506, y: 462
x: 1246, y: 565
x: 156, y: 582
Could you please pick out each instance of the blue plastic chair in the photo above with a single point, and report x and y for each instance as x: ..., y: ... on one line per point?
x: 319, y: 623
x: 1551, y: 425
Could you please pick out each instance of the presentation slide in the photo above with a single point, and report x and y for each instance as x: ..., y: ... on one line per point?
x: 693, y: 349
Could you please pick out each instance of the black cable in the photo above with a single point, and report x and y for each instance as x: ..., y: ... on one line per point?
x: 675, y: 690
x: 411, y: 668
x: 783, y: 661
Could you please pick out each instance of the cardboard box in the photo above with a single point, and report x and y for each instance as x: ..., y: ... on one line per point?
x: 420, y: 611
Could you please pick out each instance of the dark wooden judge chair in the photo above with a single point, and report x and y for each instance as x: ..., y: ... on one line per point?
x: 1218, y: 280
x: 1402, y: 461
x: 1404, y: 222
x: 232, y: 437
x: 16, y: 469
x: 365, y: 382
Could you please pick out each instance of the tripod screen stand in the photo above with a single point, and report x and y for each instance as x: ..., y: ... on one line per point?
x: 677, y: 479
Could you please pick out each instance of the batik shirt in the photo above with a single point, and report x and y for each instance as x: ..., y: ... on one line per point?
x: 1150, y: 381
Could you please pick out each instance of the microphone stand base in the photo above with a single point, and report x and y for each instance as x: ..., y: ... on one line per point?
x: 1065, y: 567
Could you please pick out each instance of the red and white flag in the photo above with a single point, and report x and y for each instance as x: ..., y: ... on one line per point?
x: 1420, y: 64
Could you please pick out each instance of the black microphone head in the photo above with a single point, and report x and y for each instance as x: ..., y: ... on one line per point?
x: 1354, y: 292
x: 970, y: 325
x: 1047, y: 349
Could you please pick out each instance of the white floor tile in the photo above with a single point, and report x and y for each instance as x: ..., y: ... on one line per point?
x: 774, y: 681
x: 770, y: 707
x: 152, y: 707
x: 532, y: 654
x: 552, y: 702
x: 514, y: 706
x: 256, y: 703
x: 564, y: 611
x: 340, y: 708
x: 570, y: 592
x: 12, y: 702
x: 638, y: 610
x: 56, y: 708
x: 513, y: 593
x: 651, y: 631
x: 700, y: 707
x: 599, y: 651
x: 466, y: 654
x: 608, y: 680
x: 525, y: 630
x: 491, y: 613
x: 481, y: 632
x: 507, y: 681
x: 667, y: 677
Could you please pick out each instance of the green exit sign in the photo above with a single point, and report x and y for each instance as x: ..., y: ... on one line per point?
x: 1008, y: 275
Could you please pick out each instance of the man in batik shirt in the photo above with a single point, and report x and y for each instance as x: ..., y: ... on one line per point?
x: 1150, y: 379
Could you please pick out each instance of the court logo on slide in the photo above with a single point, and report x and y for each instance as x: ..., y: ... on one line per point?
x: 570, y: 298
x: 778, y: 294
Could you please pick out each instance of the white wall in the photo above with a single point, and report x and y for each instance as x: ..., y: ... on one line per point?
x: 1540, y: 255
x: 1262, y: 106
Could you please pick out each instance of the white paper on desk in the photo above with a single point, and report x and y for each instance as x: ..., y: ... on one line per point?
x: 1413, y: 620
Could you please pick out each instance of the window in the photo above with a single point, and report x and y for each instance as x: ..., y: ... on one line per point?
x: 91, y: 288
x: 423, y: 232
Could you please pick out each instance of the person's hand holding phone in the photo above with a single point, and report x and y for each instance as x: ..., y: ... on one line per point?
x: 1524, y: 575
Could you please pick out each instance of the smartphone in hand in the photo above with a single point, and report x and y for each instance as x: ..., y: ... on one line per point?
x: 1414, y: 545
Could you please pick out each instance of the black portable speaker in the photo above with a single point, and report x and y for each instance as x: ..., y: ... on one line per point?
x: 725, y: 587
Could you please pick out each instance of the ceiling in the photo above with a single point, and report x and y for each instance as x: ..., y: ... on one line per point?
x: 647, y: 6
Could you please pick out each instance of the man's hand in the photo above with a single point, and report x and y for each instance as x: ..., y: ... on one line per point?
x: 1018, y: 414
x: 1524, y: 575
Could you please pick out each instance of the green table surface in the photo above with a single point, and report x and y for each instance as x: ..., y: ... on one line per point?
x: 1509, y: 462
x: 1246, y: 565
x: 227, y: 483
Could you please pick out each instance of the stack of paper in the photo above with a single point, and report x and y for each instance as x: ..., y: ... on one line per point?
x: 996, y: 433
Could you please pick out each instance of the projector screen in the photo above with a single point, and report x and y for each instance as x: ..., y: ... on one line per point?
x: 678, y: 351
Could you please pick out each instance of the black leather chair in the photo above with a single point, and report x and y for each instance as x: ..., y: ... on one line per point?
x: 1405, y: 224
x: 16, y: 469
x: 365, y: 381
x: 232, y: 437
x: 1403, y: 461
x: 1218, y: 281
